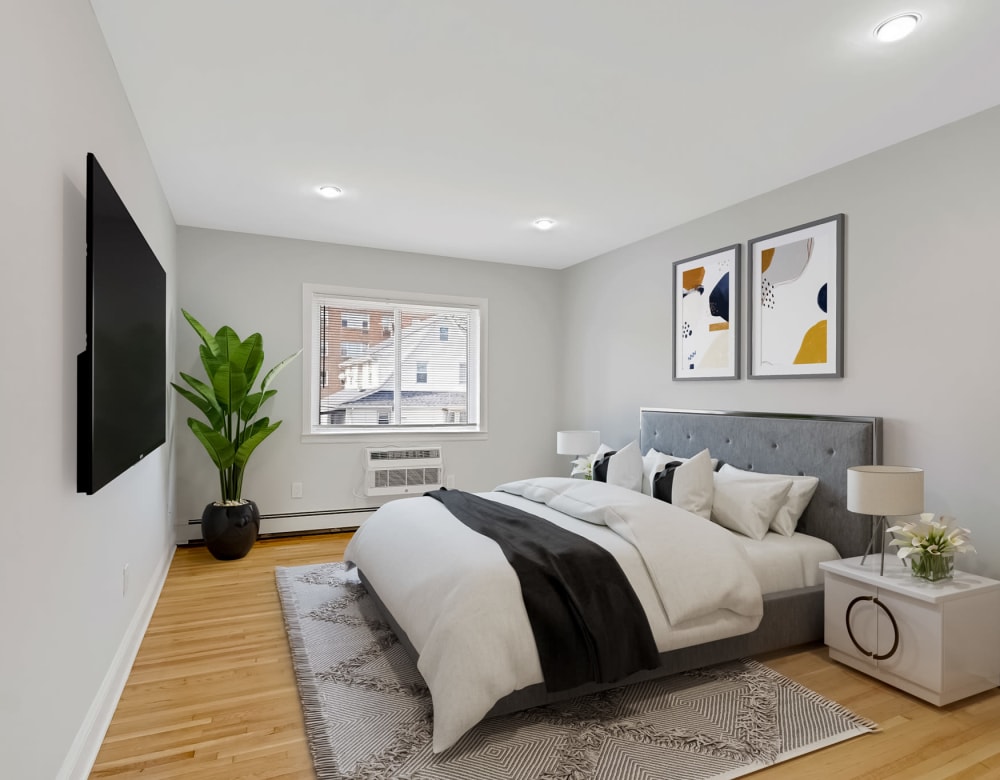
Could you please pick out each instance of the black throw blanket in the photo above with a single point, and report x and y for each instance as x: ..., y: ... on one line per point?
x: 588, y: 623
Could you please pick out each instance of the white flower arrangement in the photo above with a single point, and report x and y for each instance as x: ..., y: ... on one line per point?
x: 583, y: 465
x: 931, y: 537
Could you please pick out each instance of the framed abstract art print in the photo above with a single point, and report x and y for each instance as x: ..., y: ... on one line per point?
x: 797, y: 301
x: 707, y: 315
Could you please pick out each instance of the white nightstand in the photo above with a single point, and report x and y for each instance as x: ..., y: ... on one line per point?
x: 939, y: 641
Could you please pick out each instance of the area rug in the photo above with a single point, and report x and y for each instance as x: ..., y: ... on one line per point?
x: 368, y: 712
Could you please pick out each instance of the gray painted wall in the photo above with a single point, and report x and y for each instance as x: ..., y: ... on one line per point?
x: 920, y: 319
x: 921, y: 312
x: 66, y: 625
x: 255, y: 283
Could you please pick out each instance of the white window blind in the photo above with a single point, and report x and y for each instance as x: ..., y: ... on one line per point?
x: 404, y: 374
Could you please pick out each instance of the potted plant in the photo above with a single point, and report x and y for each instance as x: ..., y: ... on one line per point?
x: 231, y: 430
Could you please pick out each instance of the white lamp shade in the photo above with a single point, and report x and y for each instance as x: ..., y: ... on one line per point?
x: 577, y: 442
x: 885, y: 490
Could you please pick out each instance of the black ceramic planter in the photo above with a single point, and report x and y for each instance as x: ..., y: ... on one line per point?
x: 230, y: 531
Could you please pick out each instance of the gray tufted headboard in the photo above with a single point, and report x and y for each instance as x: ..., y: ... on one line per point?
x: 823, y: 447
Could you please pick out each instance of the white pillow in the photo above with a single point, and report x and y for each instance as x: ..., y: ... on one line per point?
x: 624, y: 467
x: 801, y: 493
x: 692, y: 485
x: 748, y: 506
x: 654, y: 461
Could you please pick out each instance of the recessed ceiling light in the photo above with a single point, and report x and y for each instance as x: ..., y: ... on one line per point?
x: 897, y: 28
x: 329, y: 191
x: 544, y: 223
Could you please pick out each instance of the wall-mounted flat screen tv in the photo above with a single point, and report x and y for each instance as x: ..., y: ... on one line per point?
x: 122, y: 382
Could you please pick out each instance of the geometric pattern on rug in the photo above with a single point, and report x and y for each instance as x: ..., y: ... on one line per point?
x: 368, y: 712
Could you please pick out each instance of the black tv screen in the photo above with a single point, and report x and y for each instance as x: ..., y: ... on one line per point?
x: 122, y: 382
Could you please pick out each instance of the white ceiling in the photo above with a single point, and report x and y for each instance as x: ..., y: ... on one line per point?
x: 452, y: 124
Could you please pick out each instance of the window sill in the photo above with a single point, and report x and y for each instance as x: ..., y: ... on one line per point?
x: 383, y: 435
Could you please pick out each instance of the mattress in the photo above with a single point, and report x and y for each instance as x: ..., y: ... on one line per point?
x: 787, y: 562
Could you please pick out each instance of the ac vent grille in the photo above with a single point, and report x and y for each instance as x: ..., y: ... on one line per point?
x: 398, y: 454
x: 402, y: 470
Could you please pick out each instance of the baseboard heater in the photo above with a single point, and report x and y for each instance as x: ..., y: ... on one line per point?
x: 295, y: 523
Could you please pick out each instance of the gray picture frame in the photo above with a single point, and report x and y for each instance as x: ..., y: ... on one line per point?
x: 706, y: 329
x: 795, y: 291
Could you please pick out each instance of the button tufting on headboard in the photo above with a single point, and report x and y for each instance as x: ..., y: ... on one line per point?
x: 821, y: 446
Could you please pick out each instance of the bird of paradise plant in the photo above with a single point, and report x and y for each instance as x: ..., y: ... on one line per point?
x: 229, y: 402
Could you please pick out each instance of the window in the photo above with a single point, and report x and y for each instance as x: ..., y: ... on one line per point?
x: 352, y: 348
x: 354, y: 320
x: 423, y: 374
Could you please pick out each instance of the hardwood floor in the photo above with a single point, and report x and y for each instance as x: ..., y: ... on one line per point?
x: 212, y: 694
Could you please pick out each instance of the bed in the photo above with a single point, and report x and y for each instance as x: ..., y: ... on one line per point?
x: 451, y: 607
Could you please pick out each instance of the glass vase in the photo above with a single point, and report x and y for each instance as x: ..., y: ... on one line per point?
x: 933, y: 568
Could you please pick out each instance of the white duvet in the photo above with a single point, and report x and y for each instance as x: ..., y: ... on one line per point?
x: 459, y: 601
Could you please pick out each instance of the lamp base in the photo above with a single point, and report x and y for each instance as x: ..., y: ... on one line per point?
x: 878, y: 524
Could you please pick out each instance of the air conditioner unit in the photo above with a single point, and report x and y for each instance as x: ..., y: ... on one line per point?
x: 391, y: 471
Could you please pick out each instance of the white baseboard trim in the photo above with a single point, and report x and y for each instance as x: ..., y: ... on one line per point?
x: 83, y: 752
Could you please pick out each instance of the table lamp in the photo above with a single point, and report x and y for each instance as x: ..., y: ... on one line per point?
x: 577, y: 443
x: 883, y: 491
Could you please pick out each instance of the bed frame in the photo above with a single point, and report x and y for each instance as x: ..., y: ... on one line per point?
x: 823, y: 447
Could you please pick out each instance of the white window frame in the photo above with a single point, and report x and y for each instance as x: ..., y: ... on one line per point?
x: 476, y: 381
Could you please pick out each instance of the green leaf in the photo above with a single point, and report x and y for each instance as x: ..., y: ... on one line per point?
x: 218, y: 447
x: 253, y: 403
x: 209, y: 361
x: 250, y: 444
x: 203, y: 390
x: 230, y: 388
x: 211, y: 412
x: 253, y: 429
x: 248, y: 357
x: 228, y: 342
x: 202, y: 332
x: 274, y: 371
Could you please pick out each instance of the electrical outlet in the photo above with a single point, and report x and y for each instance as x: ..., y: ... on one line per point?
x: 124, y: 580
x: 450, y: 482
x: 296, y: 490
